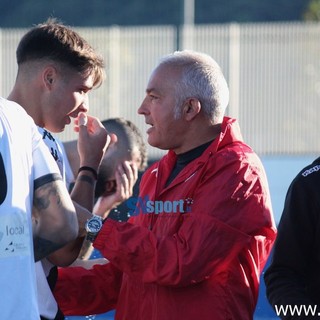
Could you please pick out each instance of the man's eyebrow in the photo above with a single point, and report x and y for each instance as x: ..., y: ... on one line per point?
x: 152, y: 90
x: 85, y: 88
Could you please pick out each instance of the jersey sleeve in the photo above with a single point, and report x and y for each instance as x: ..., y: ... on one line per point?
x: 43, y: 160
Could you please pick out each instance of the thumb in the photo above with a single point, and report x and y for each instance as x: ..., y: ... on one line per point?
x: 82, y: 119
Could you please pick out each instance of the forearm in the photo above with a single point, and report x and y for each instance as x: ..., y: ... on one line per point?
x: 73, y: 296
x: 70, y: 252
x: 179, y: 248
x: 83, y: 190
x: 66, y: 255
x: 92, y: 143
x: 86, y: 250
x: 170, y: 260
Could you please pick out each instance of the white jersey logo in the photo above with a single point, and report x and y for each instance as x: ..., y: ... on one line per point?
x: 14, y: 234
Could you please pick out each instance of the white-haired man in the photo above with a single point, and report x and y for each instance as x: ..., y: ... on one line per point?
x: 201, y: 260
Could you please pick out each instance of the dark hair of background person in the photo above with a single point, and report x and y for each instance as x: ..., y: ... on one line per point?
x: 130, y: 142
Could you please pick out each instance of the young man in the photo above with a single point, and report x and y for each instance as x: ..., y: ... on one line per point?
x: 57, y: 69
x: 29, y: 181
x: 203, y: 230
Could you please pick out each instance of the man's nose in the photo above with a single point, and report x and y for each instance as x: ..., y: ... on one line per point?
x: 143, y: 108
x: 85, y: 104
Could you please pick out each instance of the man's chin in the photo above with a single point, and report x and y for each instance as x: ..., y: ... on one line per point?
x: 55, y: 129
x: 153, y: 143
x: 157, y: 145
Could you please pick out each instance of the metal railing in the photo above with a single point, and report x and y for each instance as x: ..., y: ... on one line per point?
x: 273, y: 71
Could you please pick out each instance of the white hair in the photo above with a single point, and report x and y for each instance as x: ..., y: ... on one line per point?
x: 201, y: 78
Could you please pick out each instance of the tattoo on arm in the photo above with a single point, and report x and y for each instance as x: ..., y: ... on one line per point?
x: 87, y: 179
x: 43, y: 248
x: 42, y: 197
x: 45, y: 197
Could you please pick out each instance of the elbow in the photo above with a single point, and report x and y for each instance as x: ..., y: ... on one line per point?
x: 70, y: 231
x: 69, y: 236
x: 66, y: 229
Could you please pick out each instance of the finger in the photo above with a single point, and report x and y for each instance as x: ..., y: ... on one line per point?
x: 131, y: 174
x: 134, y: 169
x: 95, y: 125
x: 120, y: 183
x: 82, y: 119
x: 76, y: 124
x: 118, y: 179
x: 125, y: 184
x: 81, y: 123
x: 108, y: 142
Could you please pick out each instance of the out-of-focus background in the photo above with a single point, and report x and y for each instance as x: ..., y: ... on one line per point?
x: 269, y: 52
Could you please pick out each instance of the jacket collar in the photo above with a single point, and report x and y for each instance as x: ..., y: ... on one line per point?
x: 230, y: 133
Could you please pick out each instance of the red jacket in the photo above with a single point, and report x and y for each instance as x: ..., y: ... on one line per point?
x: 199, y: 260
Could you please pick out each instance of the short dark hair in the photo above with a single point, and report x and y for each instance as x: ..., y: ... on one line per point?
x: 129, y: 134
x: 54, y: 41
x: 130, y: 138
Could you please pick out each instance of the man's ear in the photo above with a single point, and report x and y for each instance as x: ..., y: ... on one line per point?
x: 49, y: 76
x: 191, y: 108
x: 113, y: 138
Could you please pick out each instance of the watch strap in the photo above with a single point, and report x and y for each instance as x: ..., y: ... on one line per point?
x: 91, y: 236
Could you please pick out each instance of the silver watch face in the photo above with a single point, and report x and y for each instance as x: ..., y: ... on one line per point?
x: 94, y: 224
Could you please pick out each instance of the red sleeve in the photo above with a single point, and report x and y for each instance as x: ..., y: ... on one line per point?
x: 184, y: 258
x: 79, y: 291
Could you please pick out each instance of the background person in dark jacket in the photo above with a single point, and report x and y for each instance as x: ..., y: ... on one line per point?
x: 293, y: 278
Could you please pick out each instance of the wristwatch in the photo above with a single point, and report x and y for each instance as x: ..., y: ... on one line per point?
x: 93, y: 226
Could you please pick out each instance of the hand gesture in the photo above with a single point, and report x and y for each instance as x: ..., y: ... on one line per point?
x: 126, y: 177
x: 93, y: 140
